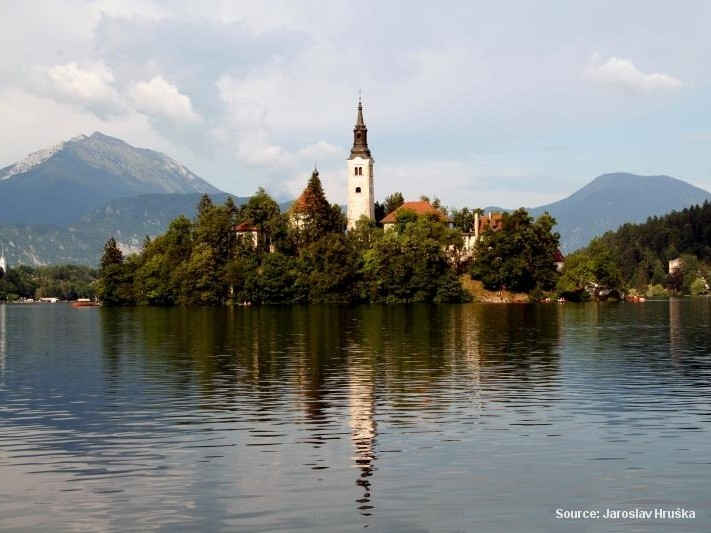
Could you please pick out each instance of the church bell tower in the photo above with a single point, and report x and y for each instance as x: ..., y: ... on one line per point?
x: 361, y: 199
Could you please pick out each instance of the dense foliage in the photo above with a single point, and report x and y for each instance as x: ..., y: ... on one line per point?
x: 636, y: 256
x: 520, y: 256
x: 302, y: 256
x: 66, y: 282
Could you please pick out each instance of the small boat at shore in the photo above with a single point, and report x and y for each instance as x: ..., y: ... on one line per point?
x: 84, y: 302
x: 635, y: 299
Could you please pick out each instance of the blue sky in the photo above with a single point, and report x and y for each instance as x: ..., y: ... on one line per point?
x: 476, y: 103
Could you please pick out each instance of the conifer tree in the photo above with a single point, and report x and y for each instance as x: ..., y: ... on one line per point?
x: 116, y: 282
x: 317, y: 218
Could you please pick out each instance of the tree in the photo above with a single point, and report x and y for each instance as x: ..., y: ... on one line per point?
x: 115, y: 285
x: 327, y: 270
x: 316, y: 217
x: 465, y: 218
x: 112, y: 254
x: 201, y: 284
x: 391, y: 203
x: 410, y: 264
x: 263, y: 212
x: 519, y: 256
x: 275, y: 281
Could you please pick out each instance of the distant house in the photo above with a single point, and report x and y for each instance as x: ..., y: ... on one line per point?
x: 420, y: 208
x: 559, y: 260
x: 248, y: 231
x: 482, y: 223
x: 674, y: 264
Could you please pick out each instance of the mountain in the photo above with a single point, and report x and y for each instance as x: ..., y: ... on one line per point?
x: 60, y: 205
x: 60, y: 184
x: 611, y: 200
x: 128, y: 220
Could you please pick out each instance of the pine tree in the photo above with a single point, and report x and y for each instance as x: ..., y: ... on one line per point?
x: 116, y: 279
x: 317, y: 218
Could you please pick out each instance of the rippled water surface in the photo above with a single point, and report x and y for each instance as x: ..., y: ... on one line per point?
x: 401, y: 418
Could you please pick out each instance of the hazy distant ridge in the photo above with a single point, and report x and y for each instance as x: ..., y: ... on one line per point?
x: 611, y: 200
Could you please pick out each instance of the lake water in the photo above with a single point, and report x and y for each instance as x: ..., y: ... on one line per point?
x: 395, y: 418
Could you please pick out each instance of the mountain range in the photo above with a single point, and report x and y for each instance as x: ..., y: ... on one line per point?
x: 60, y: 184
x: 611, y: 200
x: 61, y: 204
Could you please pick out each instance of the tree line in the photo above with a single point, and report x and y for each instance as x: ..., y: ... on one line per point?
x: 636, y: 257
x: 306, y: 256
x: 66, y: 282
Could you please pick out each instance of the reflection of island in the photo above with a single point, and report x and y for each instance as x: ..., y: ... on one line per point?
x: 363, y: 428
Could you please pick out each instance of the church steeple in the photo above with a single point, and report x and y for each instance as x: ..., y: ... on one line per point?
x: 360, y: 136
x: 361, y: 199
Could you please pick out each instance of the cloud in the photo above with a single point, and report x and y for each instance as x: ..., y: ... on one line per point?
x: 158, y: 97
x: 623, y: 73
x: 88, y: 86
x: 320, y: 150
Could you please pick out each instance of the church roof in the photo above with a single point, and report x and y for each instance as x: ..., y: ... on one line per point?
x: 299, y: 204
x: 360, y: 136
x: 421, y: 207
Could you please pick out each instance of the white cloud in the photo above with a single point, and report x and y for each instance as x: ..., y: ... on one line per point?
x: 89, y: 86
x: 320, y: 151
x: 623, y: 73
x: 158, y: 97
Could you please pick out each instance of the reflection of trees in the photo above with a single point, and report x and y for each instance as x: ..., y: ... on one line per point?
x: 302, y: 354
x: 689, y: 323
x: 323, y: 367
x: 521, y: 338
x: 655, y: 336
x: 3, y: 343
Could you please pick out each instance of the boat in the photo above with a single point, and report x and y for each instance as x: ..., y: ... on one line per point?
x: 636, y: 299
x: 84, y: 302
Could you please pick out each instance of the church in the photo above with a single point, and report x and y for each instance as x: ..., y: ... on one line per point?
x: 361, y: 195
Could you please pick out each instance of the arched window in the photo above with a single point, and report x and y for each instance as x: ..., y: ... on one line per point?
x: 357, y: 189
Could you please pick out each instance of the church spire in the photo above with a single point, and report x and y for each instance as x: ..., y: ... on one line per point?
x: 360, y: 136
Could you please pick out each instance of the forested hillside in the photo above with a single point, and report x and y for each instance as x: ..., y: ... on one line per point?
x: 637, y: 255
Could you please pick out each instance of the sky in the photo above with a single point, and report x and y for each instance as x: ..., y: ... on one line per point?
x: 476, y: 103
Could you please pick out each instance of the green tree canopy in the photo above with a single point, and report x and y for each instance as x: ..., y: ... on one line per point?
x: 520, y: 256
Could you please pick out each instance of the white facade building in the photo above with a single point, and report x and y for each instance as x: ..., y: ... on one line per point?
x: 361, y: 194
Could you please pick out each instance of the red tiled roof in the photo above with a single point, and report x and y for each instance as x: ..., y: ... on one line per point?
x: 246, y: 227
x: 299, y: 204
x: 419, y: 208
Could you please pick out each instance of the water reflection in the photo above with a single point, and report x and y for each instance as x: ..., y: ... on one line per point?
x: 363, y: 427
x: 3, y: 344
x: 325, y: 418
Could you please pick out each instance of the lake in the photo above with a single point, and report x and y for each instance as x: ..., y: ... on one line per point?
x: 536, y: 417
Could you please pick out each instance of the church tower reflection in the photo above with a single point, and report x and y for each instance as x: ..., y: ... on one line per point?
x: 361, y: 400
